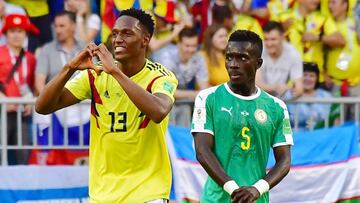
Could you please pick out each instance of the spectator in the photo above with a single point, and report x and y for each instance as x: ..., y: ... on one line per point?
x: 53, y: 56
x: 87, y: 23
x: 190, y: 69
x: 167, y: 28
x: 245, y: 22
x: 308, y: 31
x: 7, y: 9
x: 282, y: 68
x: 342, y: 63
x: 214, y: 45
x: 276, y: 7
x: 222, y: 14
x: 17, y: 68
x: 309, y: 114
x: 51, y: 59
x: 38, y: 11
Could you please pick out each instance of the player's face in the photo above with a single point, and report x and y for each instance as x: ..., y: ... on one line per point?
x: 241, y: 63
x: 273, y: 42
x: 187, y: 47
x: 128, y: 38
x: 310, y: 79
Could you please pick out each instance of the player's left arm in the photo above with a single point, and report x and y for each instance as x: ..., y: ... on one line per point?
x: 281, y: 167
x: 156, y: 106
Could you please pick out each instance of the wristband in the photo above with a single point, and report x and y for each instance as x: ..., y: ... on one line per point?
x: 230, y: 186
x: 262, y: 186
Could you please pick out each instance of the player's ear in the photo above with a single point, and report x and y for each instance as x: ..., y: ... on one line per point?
x: 146, y: 40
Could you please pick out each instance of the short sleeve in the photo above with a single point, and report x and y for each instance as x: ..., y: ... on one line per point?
x: 79, y: 85
x: 42, y: 63
x: 296, y: 70
x: 202, y: 120
x: 283, y: 133
x: 202, y: 73
x: 165, y: 85
x: 330, y: 26
x: 94, y: 22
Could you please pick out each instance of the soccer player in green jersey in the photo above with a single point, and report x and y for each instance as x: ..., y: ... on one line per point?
x: 234, y: 126
x: 131, y: 98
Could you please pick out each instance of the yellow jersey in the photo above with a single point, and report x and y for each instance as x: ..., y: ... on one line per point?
x: 349, y: 53
x: 276, y: 7
x: 34, y: 8
x: 128, y: 159
x: 217, y: 73
x: 315, y: 23
x: 245, y: 22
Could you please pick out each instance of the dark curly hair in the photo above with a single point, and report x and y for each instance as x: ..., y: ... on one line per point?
x: 248, y: 36
x: 144, y: 18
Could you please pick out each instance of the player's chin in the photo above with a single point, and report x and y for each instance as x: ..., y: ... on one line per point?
x: 120, y: 56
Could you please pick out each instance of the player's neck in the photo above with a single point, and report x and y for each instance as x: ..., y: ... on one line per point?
x: 132, y: 66
x: 243, y: 90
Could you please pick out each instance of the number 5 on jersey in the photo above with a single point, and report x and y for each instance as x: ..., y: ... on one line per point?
x: 245, y: 145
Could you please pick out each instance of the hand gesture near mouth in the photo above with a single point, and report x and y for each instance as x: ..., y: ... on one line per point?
x: 83, y: 60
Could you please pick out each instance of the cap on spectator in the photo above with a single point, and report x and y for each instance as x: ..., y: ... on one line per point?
x: 166, y: 11
x: 19, y: 21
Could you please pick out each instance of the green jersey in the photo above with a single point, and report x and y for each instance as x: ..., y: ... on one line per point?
x: 244, y: 130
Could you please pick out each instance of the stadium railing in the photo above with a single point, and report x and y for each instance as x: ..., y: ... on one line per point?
x: 4, y: 147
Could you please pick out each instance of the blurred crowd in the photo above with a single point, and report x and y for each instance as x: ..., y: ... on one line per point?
x: 310, y: 47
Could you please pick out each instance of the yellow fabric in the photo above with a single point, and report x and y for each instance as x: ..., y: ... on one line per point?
x: 132, y: 164
x: 324, y: 6
x: 217, y: 74
x: 276, y: 7
x: 248, y: 23
x: 353, y: 71
x: 34, y: 8
x: 314, y: 23
x: 146, y: 5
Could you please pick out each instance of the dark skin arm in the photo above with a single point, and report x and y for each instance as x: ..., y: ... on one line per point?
x: 155, y: 106
x: 282, y: 166
x: 204, y: 144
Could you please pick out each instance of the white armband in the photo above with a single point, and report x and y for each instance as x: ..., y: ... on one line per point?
x: 230, y: 186
x: 262, y: 186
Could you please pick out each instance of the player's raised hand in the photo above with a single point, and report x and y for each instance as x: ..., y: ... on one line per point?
x: 106, y: 58
x: 83, y: 60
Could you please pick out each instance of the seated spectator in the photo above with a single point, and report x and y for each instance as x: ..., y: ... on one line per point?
x: 308, y: 115
x: 282, y: 68
x: 213, y: 50
x: 190, y: 69
x: 7, y: 9
x: 222, y: 14
x: 87, y: 23
x: 17, y: 69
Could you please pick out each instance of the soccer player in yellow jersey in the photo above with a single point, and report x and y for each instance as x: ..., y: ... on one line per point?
x: 131, y: 98
x: 308, y: 31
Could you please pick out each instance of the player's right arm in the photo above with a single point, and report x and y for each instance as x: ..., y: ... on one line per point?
x: 203, y: 132
x: 54, y: 96
x: 204, y: 143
